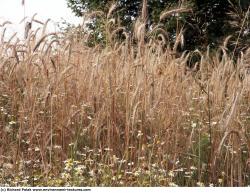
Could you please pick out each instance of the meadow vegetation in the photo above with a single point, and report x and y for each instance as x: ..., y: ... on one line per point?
x: 132, y: 112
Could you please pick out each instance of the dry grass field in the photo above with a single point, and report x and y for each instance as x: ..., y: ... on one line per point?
x: 123, y: 114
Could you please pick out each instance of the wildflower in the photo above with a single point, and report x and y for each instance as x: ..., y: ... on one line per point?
x: 37, y: 149
x: 172, y: 184
x: 81, y: 154
x: 79, y: 169
x: 122, y: 161
x: 148, y: 172
x: 115, y: 159
x: 193, y: 168
x: 57, y: 147
x: 68, y: 164
x: 171, y: 173
x: 27, y: 162
x: 193, y: 124
x: 141, y: 158
x: 92, y: 173
x: 189, y: 173
x: 7, y: 166
x: 214, y: 123
x: 191, y: 109
x: 12, y: 122
x: 179, y: 170
x: 137, y: 173
x: 7, y: 129
x: 65, y: 176
x: 84, y: 131
x: 130, y: 163
x: 25, y: 181
x: 71, y: 144
x: 139, y: 134
x: 200, y: 184
x: 76, y: 162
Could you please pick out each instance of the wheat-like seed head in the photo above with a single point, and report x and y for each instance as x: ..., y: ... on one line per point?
x: 172, y: 12
x: 225, y: 43
x: 42, y: 39
x: 144, y: 11
x: 95, y: 14
x: 111, y: 10
x: 5, y: 23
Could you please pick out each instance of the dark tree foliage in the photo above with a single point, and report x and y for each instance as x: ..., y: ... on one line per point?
x: 127, y: 10
x: 208, y: 24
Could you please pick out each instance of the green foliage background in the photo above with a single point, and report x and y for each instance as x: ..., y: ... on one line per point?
x: 209, y: 23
